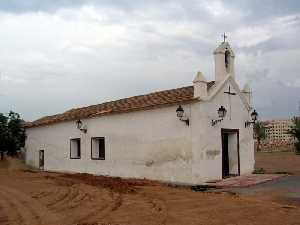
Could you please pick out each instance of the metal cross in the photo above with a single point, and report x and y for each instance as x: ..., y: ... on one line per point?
x: 224, y: 36
x: 229, y: 99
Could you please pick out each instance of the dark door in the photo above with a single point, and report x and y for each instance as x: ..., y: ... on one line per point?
x: 225, y: 156
x: 41, y: 159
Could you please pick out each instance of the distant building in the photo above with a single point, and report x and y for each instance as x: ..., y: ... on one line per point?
x: 277, y: 130
x: 277, y: 135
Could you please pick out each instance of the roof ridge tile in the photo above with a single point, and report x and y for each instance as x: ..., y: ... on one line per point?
x: 134, y: 103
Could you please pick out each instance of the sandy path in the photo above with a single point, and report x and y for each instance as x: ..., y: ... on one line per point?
x: 22, y: 209
x: 49, y: 198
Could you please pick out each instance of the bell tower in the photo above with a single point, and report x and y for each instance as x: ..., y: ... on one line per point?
x: 224, y: 60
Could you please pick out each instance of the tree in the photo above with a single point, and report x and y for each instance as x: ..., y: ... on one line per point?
x: 12, y: 132
x: 3, y: 134
x: 295, y: 132
x: 260, y: 133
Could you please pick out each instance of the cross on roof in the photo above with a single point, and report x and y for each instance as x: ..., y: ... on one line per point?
x: 229, y: 99
x: 224, y: 36
x: 228, y: 92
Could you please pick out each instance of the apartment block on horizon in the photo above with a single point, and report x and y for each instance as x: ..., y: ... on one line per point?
x: 277, y: 131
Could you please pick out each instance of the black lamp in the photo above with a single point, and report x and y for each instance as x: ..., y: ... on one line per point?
x: 221, y: 113
x: 180, y: 113
x: 80, y: 126
x: 254, y: 116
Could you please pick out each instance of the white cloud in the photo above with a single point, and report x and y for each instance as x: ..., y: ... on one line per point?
x: 82, y: 55
x: 216, y: 8
x: 248, y: 36
x: 251, y: 36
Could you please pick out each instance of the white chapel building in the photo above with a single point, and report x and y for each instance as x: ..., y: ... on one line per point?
x: 187, y: 135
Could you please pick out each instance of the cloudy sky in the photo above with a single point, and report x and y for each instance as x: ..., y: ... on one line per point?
x: 60, y: 54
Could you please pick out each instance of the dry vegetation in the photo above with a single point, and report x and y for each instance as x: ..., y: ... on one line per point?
x: 278, y: 162
x: 28, y: 197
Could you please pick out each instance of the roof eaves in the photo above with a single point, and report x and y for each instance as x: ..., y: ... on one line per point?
x: 99, y: 114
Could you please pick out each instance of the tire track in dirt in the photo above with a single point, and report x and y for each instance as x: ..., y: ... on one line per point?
x: 158, y: 206
x: 24, y: 210
x: 71, y: 193
x: 97, y: 211
x: 58, y: 196
x: 3, y: 217
x: 76, y: 202
x: 76, y: 198
x: 17, y: 212
x: 44, y: 194
x: 118, y: 200
x: 149, y: 203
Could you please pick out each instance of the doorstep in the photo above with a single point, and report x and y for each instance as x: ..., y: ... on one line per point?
x: 245, y: 180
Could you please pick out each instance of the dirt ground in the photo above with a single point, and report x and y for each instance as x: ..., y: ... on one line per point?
x: 276, y: 162
x: 33, y: 198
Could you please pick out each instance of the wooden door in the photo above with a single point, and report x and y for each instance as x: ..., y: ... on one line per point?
x: 230, y: 152
x: 225, y: 156
x: 41, y: 159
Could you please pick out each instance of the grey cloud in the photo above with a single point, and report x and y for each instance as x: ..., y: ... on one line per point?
x: 18, y: 6
x: 75, y: 58
x: 258, y: 10
x: 254, y: 10
x: 276, y: 100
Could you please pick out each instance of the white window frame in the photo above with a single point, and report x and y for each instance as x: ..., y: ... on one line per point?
x: 78, y: 148
x: 95, y: 148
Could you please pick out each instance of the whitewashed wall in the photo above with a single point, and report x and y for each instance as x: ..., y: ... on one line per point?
x: 207, y: 153
x: 153, y: 144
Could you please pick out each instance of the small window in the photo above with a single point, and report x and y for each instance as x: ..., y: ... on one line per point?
x: 75, y: 148
x: 98, y: 148
x: 227, y: 58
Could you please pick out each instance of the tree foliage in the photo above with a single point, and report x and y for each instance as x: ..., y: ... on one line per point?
x: 12, y: 132
x: 295, y: 131
x: 259, y: 133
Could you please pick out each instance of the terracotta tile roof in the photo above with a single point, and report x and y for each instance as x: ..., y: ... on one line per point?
x: 141, y: 102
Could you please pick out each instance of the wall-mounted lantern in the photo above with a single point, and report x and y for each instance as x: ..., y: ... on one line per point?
x: 80, y: 126
x: 221, y: 113
x: 254, y: 116
x: 180, y: 115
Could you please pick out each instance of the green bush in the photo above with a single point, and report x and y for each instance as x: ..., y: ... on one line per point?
x: 297, y: 148
x: 295, y: 132
x: 12, y: 133
x: 259, y: 171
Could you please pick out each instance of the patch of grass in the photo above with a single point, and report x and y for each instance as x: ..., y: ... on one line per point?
x: 259, y: 171
x: 283, y: 172
x: 203, y: 187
